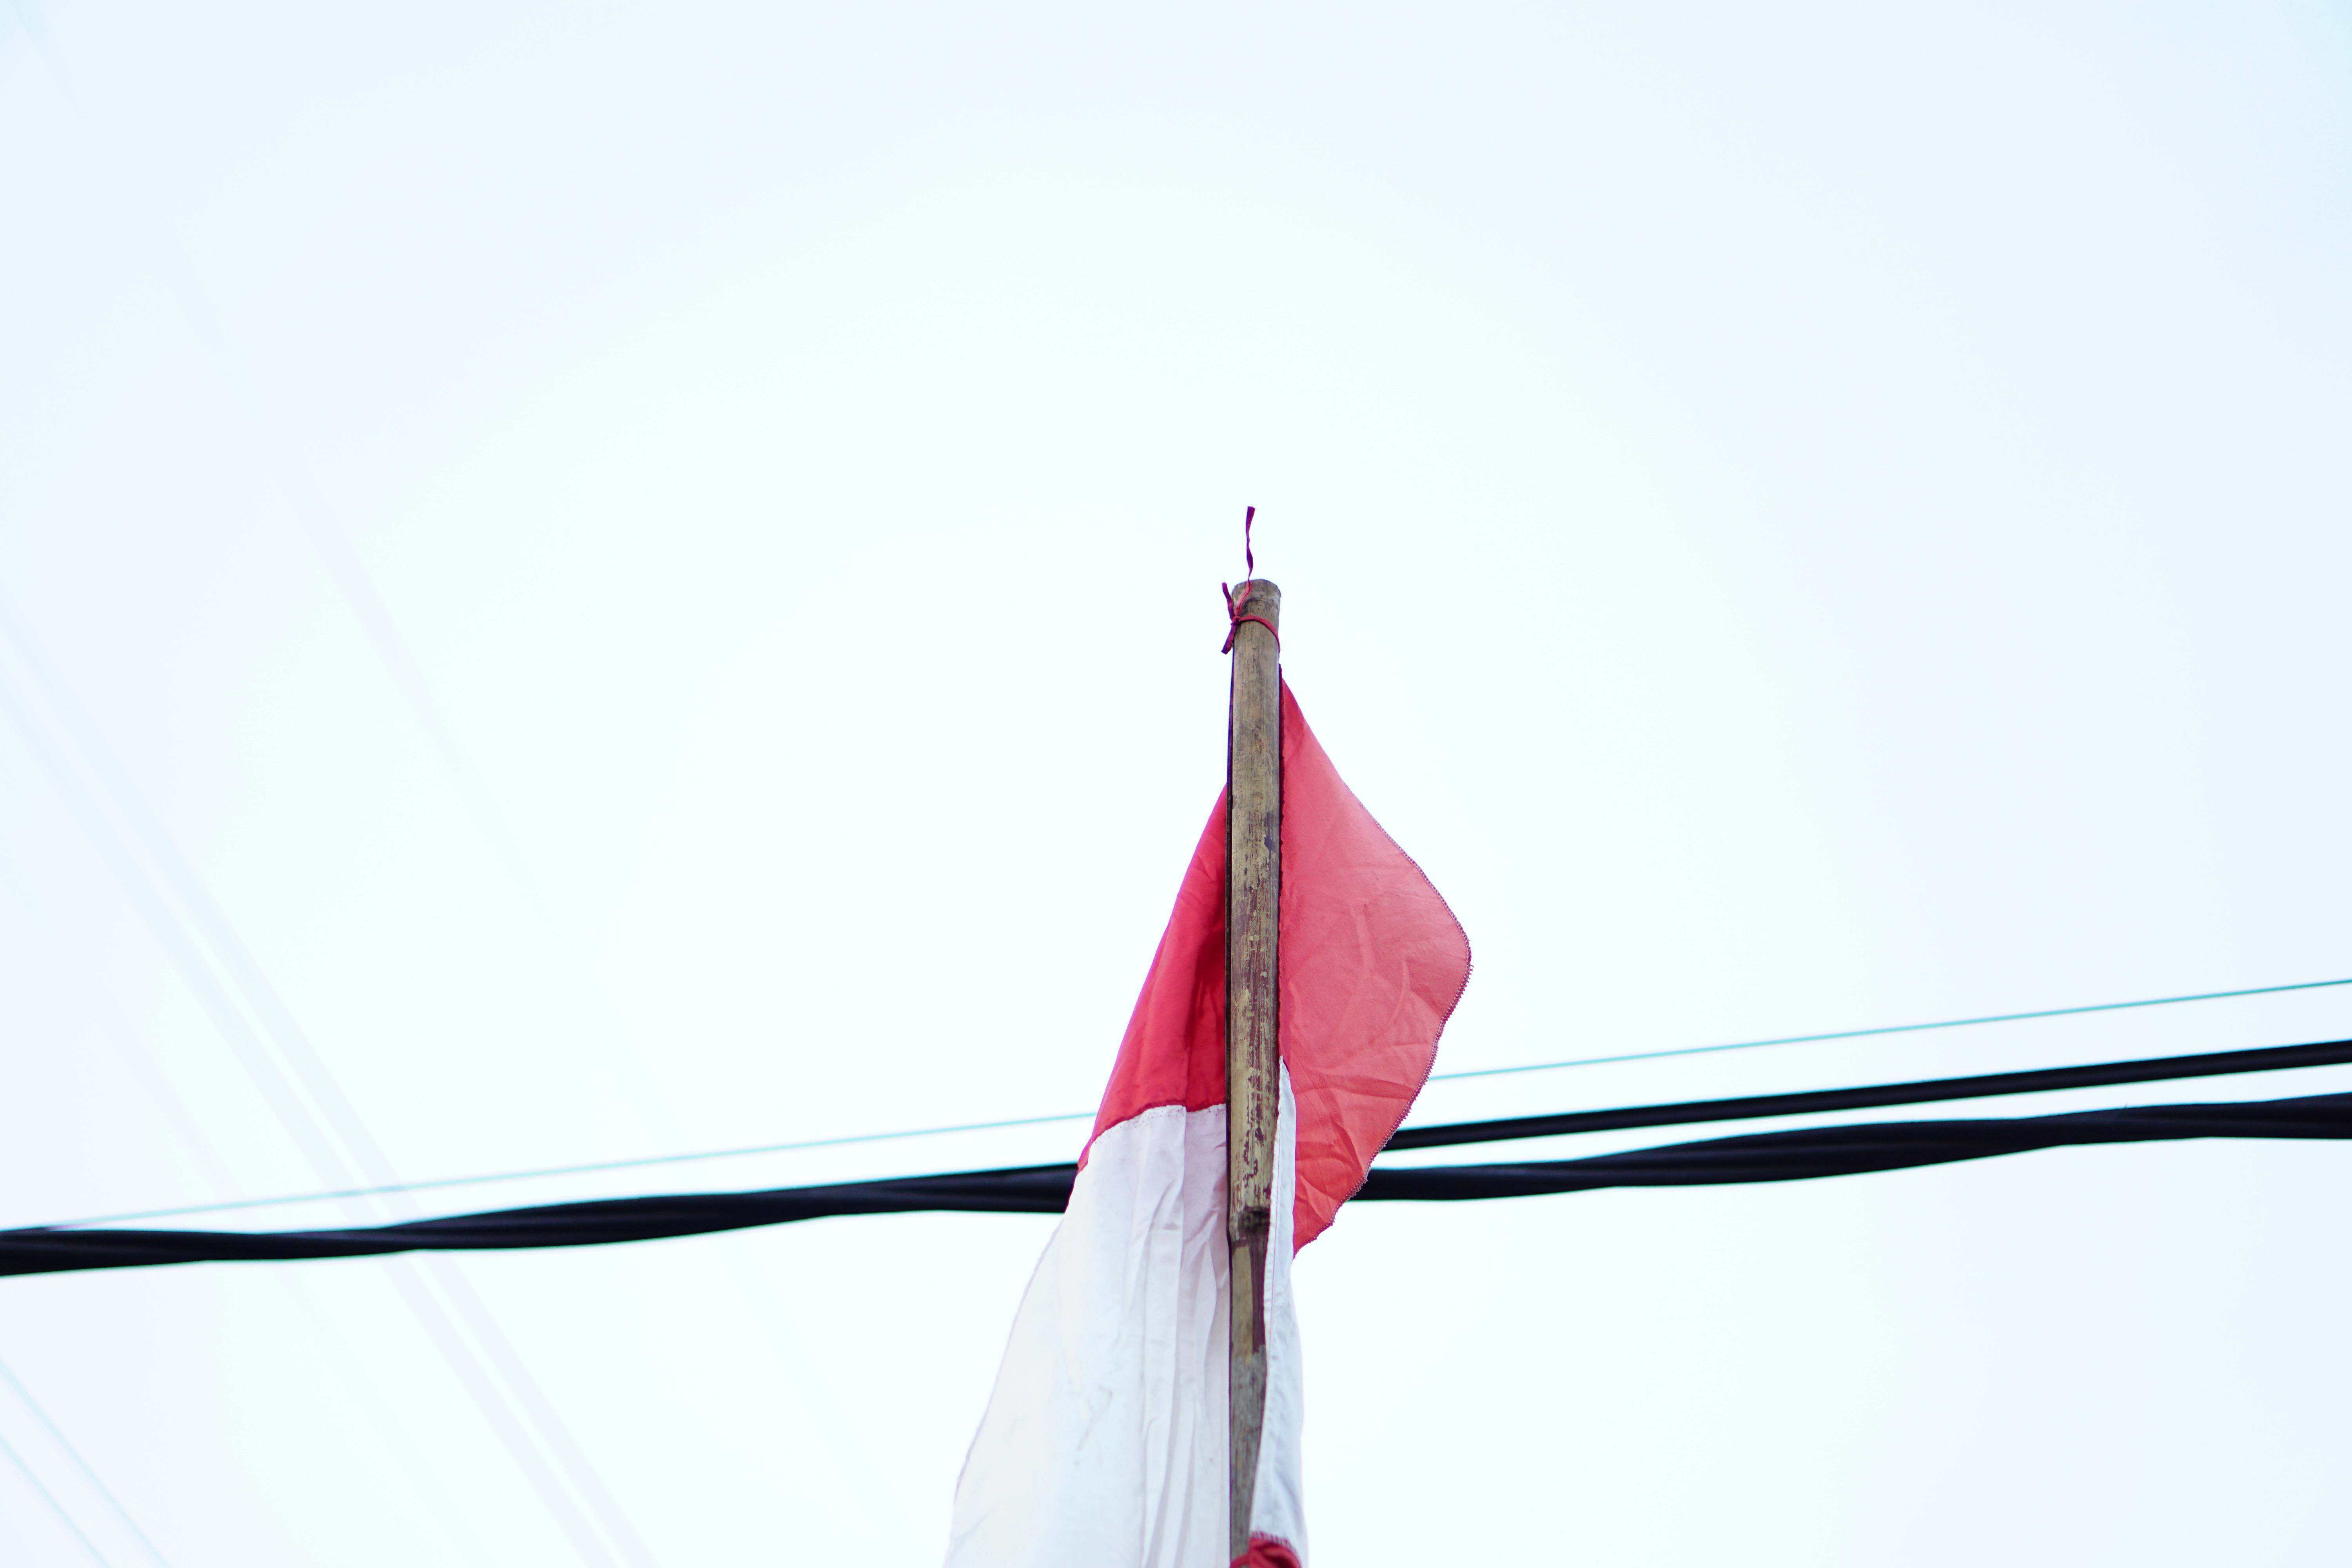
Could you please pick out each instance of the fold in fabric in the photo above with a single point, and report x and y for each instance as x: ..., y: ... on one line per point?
x: 1373, y: 967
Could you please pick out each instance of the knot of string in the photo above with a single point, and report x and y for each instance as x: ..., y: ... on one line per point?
x: 1233, y: 603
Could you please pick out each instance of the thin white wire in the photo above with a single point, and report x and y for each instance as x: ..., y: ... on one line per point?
x: 57, y: 1507
x: 651, y: 1161
x: 106, y: 1493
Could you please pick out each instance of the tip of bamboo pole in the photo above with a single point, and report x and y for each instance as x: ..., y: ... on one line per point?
x: 1259, y: 597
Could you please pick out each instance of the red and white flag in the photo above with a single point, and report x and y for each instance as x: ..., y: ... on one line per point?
x: 1104, y: 1442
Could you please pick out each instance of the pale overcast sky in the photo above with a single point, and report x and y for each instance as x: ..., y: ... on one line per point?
x: 583, y: 583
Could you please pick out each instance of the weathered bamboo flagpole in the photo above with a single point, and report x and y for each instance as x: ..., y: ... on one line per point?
x: 1253, y: 897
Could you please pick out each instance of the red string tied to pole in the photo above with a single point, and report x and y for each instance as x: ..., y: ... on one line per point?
x: 1233, y: 616
x: 1236, y: 618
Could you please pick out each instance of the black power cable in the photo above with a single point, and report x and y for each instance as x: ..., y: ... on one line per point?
x: 1796, y: 1154
x: 2148, y: 1069
x: 1803, y: 1154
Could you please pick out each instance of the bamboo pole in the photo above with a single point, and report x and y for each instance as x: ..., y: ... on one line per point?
x: 1253, y: 897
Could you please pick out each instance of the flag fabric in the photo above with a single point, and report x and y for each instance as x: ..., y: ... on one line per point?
x: 1104, y: 1442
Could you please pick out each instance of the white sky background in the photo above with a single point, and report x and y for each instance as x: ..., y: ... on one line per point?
x: 628, y: 582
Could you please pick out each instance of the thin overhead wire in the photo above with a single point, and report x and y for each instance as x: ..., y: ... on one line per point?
x: 1889, y: 1029
x: 651, y: 1161
x: 1787, y: 1154
x: 329, y: 1112
x: 591, y: 1168
x: 56, y: 1508
x: 65, y: 1444
x: 247, y: 1010
x: 1871, y: 1096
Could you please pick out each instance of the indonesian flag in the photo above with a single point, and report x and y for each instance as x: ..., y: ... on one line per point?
x: 1104, y: 1445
